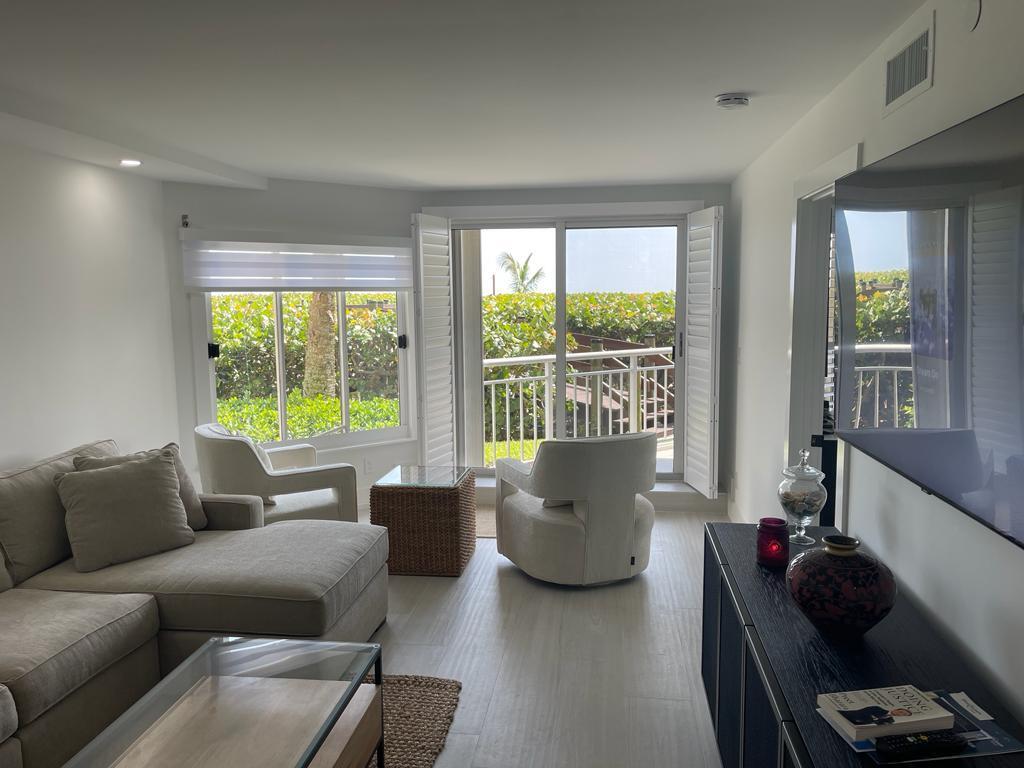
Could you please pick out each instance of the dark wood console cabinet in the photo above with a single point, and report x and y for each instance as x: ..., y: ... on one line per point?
x: 763, y: 664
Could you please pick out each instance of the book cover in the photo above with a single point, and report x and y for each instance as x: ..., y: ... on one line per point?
x: 888, y: 711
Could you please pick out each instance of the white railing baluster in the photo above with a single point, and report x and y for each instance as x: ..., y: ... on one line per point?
x: 575, y: 409
x: 522, y: 422
x: 622, y: 404
x: 611, y: 402
x: 586, y: 406
x: 533, y: 404
x: 878, y: 394
x: 549, y: 401
x: 634, y: 393
x: 508, y: 421
x: 860, y: 396
x: 494, y: 422
x: 895, y: 399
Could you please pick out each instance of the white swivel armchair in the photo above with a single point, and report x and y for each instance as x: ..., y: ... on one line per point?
x: 293, y: 487
x: 576, y: 515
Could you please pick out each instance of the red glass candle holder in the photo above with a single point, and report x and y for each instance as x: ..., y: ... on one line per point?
x: 772, y: 542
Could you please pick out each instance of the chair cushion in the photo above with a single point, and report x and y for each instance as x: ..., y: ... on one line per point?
x: 292, y: 578
x: 186, y: 490
x: 124, y: 512
x: 310, y: 505
x: 32, y: 534
x: 54, y: 642
x: 8, y: 714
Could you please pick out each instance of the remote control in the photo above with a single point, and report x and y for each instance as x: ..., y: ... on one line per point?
x: 914, y: 746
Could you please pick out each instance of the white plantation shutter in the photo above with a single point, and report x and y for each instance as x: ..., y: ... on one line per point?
x: 701, y: 330
x: 435, y: 333
x: 994, y: 285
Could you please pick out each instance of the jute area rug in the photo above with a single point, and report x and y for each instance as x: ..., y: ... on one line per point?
x: 418, y: 712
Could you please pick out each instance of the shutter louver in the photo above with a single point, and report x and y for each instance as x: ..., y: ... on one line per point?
x: 701, y: 330
x: 994, y: 294
x: 436, y: 339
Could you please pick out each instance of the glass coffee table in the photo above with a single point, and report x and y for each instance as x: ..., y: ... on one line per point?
x: 430, y: 514
x: 253, y: 702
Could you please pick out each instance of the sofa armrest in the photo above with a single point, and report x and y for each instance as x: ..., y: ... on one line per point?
x: 292, y: 456
x: 232, y: 512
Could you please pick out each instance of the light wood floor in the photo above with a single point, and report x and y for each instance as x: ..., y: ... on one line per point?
x: 589, y: 678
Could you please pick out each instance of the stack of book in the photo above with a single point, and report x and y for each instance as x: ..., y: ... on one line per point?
x: 903, y: 724
x: 878, y: 712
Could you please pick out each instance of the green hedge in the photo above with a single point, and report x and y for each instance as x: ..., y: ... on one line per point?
x: 884, y: 316
x: 243, y: 324
x: 519, y: 324
x: 307, y: 416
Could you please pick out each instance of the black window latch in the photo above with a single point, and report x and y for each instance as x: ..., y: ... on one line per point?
x: 212, y: 350
x: 403, y: 341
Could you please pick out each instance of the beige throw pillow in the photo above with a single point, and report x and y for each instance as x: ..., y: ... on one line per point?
x: 124, y: 512
x: 189, y: 496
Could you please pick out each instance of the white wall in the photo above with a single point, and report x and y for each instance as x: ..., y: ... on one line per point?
x: 979, y: 596
x: 85, y: 333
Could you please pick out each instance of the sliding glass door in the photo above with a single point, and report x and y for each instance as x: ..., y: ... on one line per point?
x: 620, y: 327
x: 568, y: 331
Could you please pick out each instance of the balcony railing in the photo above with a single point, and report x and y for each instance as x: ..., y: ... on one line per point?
x: 885, y: 386
x: 606, y: 392
x: 615, y: 391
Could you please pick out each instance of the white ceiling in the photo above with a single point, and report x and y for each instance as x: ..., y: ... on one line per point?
x: 444, y: 94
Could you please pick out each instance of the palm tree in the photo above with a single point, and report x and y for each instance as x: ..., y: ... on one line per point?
x: 519, y: 277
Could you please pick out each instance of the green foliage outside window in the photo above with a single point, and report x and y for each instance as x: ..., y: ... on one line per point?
x: 513, y: 325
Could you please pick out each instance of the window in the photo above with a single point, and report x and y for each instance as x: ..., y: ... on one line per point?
x: 296, y: 365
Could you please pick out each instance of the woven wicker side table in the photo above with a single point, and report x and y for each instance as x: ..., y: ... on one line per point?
x: 430, y: 514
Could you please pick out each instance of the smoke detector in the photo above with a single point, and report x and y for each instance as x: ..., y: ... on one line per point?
x: 732, y: 100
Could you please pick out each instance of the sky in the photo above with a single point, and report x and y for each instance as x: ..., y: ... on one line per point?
x: 629, y: 259
x: 878, y: 239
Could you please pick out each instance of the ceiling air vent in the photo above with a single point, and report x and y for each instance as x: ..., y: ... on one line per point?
x: 908, y: 72
x: 906, y: 69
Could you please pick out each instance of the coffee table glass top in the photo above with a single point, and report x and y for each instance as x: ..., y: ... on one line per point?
x: 409, y: 476
x: 214, y: 698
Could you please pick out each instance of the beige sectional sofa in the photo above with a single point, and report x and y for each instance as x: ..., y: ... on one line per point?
x: 77, y: 649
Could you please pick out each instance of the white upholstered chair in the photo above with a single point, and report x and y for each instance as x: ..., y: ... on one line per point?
x: 576, y: 515
x: 293, y: 487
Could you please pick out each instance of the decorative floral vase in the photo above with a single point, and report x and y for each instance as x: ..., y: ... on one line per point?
x: 841, y: 589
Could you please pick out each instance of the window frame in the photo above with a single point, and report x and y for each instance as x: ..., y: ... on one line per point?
x: 561, y: 219
x: 206, y: 380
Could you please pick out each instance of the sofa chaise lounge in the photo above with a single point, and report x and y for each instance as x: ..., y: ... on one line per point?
x: 77, y: 649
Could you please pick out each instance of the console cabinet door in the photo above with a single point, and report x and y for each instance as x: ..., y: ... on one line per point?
x: 764, y: 707
x: 709, y: 628
x: 794, y: 754
x: 731, y: 644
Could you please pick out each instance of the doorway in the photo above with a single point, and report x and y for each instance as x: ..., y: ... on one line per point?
x: 569, y: 331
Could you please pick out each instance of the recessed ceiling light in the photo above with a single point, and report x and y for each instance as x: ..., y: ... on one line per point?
x: 732, y: 100
x: 130, y: 163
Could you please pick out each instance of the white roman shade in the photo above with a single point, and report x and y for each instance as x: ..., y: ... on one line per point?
x: 701, y: 331
x: 364, y: 264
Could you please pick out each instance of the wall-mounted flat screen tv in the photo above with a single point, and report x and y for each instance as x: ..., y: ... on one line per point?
x: 930, y: 299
